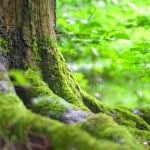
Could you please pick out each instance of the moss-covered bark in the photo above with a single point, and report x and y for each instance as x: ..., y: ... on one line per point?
x: 54, y: 112
x: 87, y: 130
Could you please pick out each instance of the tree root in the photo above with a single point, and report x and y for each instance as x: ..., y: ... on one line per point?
x: 118, y: 128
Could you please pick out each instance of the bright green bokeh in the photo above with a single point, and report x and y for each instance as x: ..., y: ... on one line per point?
x: 107, y: 45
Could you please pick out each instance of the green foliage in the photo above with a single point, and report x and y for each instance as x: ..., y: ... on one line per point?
x: 106, y: 43
x: 81, y: 79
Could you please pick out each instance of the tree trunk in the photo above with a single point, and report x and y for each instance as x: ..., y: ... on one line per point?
x: 28, y: 42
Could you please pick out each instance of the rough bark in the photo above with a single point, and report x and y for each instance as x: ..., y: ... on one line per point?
x: 28, y: 41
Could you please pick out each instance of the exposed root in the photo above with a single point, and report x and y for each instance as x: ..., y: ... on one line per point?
x: 89, y: 130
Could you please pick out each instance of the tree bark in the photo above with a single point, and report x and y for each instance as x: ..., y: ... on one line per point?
x: 30, y: 31
x: 28, y: 41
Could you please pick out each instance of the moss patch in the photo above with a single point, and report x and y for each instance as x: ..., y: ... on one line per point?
x: 38, y: 86
x: 25, y: 125
x: 125, y: 117
x: 104, y: 127
x: 140, y: 135
x: 52, y: 106
x: 3, y: 45
x: 122, y: 115
x: 144, y: 113
x: 10, y: 106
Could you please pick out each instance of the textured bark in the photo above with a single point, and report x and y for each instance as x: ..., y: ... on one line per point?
x: 30, y: 31
x: 23, y: 20
x: 10, y: 29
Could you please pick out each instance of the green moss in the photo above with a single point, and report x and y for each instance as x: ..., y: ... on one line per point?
x: 145, y: 113
x: 80, y: 140
x: 35, y: 49
x: 41, y: 44
x: 52, y: 106
x: 50, y: 41
x: 11, y: 109
x: 140, y: 135
x: 95, y: 105
x: 3, y: 45
x: 44, y: 101
x: 125, y: 117
x: 104, y: 132
x: 55, y: 72
x: 104, y: 127
x: 122, y: 115
x: 62, y: 83
x: 38, y: 86
x: 25, y: 125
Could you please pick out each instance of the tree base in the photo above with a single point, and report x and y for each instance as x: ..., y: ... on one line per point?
x: 66, y: 125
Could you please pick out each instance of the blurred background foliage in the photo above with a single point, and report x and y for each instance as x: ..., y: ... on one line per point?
x: 107, y: 45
